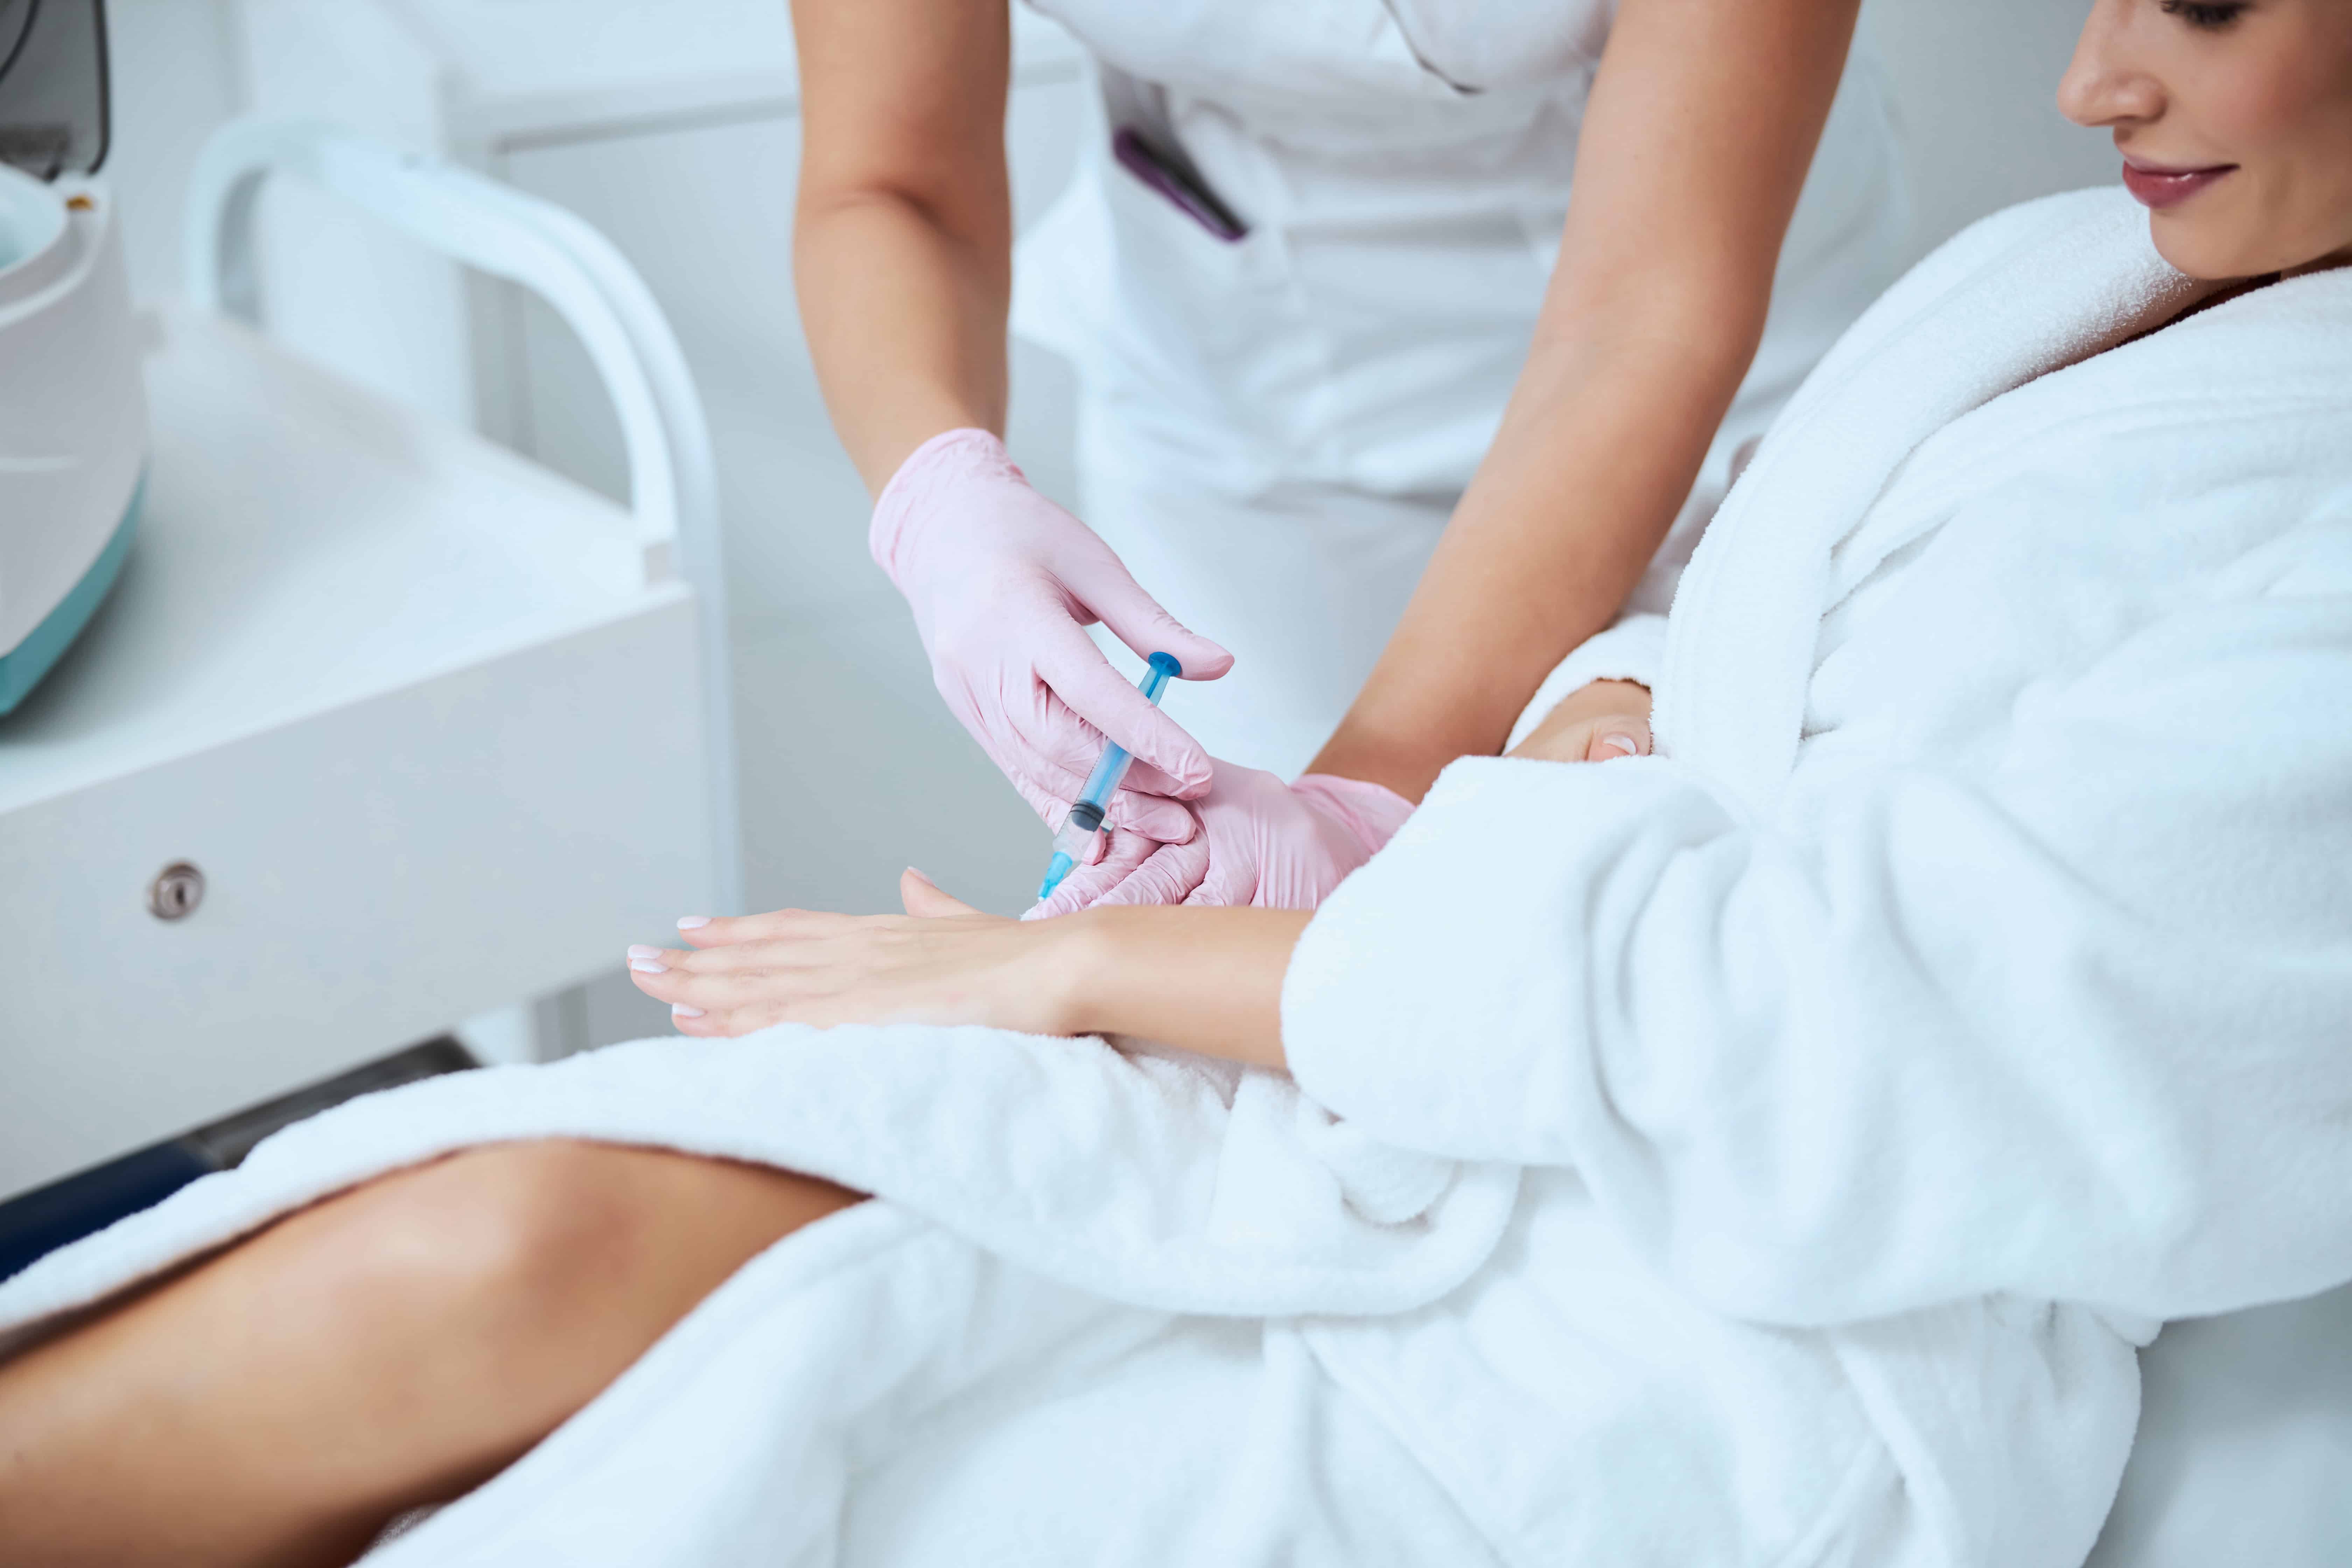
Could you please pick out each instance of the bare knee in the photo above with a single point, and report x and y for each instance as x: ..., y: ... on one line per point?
x: 523, y: 1238
x: 486, y: 1241
x: 391, y: 1345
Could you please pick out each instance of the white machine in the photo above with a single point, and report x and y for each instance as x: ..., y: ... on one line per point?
x: 73, y: 422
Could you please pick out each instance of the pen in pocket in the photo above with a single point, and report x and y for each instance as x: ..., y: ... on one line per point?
x: 1179, y: 185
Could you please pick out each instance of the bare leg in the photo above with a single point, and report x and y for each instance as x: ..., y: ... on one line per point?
x: 393, y: 1346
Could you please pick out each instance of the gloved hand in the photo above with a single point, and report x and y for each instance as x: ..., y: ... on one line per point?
x: 1003, y: 584
x: 1263, y: 843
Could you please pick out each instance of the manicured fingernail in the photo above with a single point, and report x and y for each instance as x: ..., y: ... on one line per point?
x: 692, y: 922
x: 647, y: 966
x: 915, y: 872
x: 1623, y: 745
x: 681, y: 1010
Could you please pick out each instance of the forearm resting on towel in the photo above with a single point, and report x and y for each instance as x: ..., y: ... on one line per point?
x: 1207, y: 979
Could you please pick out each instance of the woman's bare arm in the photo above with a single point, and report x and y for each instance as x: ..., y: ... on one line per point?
x: 1702, y: 124
x: 902, y: 244
x: 1207, y: 979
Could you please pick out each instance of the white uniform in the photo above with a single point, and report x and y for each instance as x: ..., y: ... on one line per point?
x: 1274, y: 431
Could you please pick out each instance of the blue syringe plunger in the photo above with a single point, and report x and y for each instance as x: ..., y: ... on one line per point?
x: 1164, y: 668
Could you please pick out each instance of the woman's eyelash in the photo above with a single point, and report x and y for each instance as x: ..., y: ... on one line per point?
x: 2205, y: 15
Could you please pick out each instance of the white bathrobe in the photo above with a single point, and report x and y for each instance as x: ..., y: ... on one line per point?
x: 1767, y: 1152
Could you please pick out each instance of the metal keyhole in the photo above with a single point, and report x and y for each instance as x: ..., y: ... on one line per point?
x: 175, y: 892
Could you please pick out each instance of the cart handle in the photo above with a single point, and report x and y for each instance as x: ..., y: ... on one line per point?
x: 496, y: 229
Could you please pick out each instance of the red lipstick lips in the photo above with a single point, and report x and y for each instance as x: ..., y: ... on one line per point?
x: 2160, y: 187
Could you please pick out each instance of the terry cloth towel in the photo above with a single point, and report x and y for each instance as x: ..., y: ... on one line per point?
x: 1766, y: 1153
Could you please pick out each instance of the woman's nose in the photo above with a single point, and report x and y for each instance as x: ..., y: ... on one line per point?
x: 2105, y: 85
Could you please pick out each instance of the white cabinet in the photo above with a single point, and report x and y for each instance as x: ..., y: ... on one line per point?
x: 362, y: 671
x: 675, y: 130
x: 384, y: 726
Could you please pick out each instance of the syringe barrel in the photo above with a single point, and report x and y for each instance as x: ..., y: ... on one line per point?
x: 1103, y: 782
x: 1086, y: 819
x: 1078, y: 829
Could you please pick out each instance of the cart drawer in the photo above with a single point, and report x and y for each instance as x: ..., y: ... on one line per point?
x: 371, y: 874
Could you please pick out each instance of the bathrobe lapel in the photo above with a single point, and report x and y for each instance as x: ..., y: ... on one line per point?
x: 1977, y: 320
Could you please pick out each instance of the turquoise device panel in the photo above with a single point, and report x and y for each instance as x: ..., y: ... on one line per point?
x: 22, y: 666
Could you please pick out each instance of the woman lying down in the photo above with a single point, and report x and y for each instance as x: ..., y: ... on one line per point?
x: 1766, y: 1151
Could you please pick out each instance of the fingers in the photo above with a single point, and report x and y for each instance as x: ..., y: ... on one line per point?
x: 724, y: 991
x: 694, y: 1008
x: 1618, y: 735
x: 1168, y: 875
x: 1603, y: 738
x: 1059, y: 748
x: 1084, y: 680
x: 1159, y: 819
x: 1142, y: 804
x: 1132, y: 806
x: 1153, y: 815
x: 922, y: 898
x: 1087, y: 884
x: 725, y: 931
x: 1230, y: 885
x: 1135, y: 617
x: 1145, y: 781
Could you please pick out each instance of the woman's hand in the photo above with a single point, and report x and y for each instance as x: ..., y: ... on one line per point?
x: 1208, y: 980
x: 1003, y: 584
x: 1595, y: 723
x: 1262, y: 843
x: 942, y: 963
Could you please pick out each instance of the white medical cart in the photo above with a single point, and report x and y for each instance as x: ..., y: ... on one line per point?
x: 384, y: 726
x: 676, y: 130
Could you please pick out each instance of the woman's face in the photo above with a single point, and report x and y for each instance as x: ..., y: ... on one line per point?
x: 2235, y: 122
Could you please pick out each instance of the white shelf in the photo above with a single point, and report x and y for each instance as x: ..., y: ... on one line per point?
x: 306, y: 546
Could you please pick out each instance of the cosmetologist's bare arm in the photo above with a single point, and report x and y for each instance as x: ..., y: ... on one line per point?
x: 902, y: 242
x: 1702, y: 124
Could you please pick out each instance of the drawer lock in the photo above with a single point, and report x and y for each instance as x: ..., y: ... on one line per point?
x: 175, y: 892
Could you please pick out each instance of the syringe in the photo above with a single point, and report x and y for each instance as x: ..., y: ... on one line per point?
x: 1085, y: 819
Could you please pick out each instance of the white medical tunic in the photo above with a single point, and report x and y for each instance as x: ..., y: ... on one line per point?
x: 1274, y: 430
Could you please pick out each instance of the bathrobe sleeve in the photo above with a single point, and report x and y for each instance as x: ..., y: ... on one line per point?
x: 2074, y: 1022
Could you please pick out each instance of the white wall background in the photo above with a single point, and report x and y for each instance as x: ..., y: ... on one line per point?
x: 1973, y: 80
x: 1975, y: 86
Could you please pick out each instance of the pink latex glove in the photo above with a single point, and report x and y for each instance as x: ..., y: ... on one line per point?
x: 1003, y: 584
x: 1263, y: 843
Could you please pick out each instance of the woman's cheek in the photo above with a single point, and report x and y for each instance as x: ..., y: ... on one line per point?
x: 2286, y: 114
